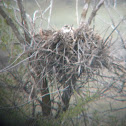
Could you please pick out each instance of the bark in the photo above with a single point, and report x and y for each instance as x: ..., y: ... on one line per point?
x: 66, y: 98
x: 45, y: 102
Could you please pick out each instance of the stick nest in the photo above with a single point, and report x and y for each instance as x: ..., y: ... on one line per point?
x: 66, y: 54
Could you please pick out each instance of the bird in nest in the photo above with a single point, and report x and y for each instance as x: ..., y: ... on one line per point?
x: 67, y: 29
x: 68, y: 35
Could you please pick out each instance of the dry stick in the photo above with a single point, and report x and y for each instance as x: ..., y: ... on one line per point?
x: 24, y: 21
x: 105, y: 42
x: 42, y: 13
x: 94, y: 11
x: 11, y: 66
x: 18, y: 20
x: 12, y: 25
x: 117, y: 31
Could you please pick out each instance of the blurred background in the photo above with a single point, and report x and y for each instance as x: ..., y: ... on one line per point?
x: 64, y: 11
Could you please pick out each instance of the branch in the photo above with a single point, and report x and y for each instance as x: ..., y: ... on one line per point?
x: 10, y: 22
x: 84, y: 11
x: 24, y: 22
x: 112, y: 31
x: 50, y: 12
x: 94, y: 11
x: 27, y: 102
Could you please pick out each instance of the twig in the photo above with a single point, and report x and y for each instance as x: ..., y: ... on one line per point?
x: 34, y: 99
x: 112, y: 32
x: 117, y: 31
x: 42, y: 14
x: 12, y: 66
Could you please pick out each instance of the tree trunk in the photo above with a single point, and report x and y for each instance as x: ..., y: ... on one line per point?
x: 46, y: 103
x: 66, y: 98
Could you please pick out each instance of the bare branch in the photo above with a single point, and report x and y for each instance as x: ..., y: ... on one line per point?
x: 24, y: 21
x: 112, y: 31
x: 94, y: 11
x: 27, y: 102
x: 84, y: 11
x: 12, y: 25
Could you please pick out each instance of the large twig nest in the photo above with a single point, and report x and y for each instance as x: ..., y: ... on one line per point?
x: 68, y: 53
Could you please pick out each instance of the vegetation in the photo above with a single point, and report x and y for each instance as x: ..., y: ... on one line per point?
x: 61, y: 77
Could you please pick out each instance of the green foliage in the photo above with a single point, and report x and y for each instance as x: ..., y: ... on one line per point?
x: 9, y: 96
x: 8, y: 84
x: 7, y: 38
x: 9, y: 116
x: 80, y: 107
x: 46, y: 122
x: 96, y: 118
